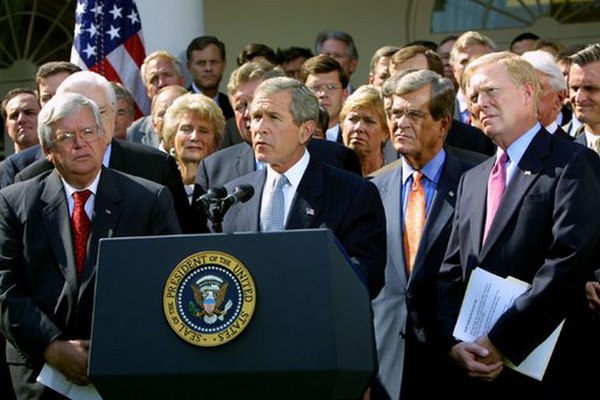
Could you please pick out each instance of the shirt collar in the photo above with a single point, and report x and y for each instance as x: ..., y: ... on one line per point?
x: 92, y: 187
x: 294, y: 173
x: 432, y: 170
x: 332, y: 133
x: 517, y: 148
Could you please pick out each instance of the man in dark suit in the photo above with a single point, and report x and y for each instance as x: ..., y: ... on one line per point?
x: 404, y: 311
x: 206, y: 62
x: 537, y: 222
x: 310, y: 194
x: 46, y: 278
x: 131, y: 158
x: 238, y: 160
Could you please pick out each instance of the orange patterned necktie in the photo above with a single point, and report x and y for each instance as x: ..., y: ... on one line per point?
x: 81, y: 229
x: 414, y: 220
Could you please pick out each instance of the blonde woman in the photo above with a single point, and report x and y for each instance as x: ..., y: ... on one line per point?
x: 193, y: 129
x: 364, y: 127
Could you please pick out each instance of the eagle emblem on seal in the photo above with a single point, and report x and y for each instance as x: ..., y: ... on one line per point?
x: 209, y: 294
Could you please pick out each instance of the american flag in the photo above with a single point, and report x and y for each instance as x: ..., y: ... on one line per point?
x: 108, y: 40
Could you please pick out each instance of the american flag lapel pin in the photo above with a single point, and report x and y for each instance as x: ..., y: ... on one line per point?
x: 527, y: 172
x: 310, y: 212
x: 451, y: 193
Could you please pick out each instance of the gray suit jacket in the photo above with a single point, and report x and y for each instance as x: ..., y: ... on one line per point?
x: 410, y: 297
x: 142, y: 131
x: 40, y: 297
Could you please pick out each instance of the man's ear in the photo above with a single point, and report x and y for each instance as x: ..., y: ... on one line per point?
x: 306, y: 131
x: 47, y: 153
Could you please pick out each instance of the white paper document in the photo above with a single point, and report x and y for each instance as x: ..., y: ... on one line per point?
x: 54, y: 379
x: 487, y: 297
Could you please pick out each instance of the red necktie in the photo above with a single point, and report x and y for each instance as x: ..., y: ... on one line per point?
x: 414, y: 220
x: 81, y: 229
x: 495, y: 190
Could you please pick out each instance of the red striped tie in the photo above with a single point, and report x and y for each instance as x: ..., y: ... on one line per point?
x: 81, y: 229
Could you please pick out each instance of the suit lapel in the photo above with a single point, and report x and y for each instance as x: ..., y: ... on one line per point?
x: 305, y: 208
x: 57, y: 223
x: 105, y: 217
x: 478, y: 195
x: 442, y: 209
x: 528, y: 171
x: 244, y: 217
x: 245, y: 160
x: 391, y: 196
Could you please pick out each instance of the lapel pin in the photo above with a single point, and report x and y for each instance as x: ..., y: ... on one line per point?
x: 527, y: 173
x: 451, y: 193
x: 310, y: 211
x: 108, y: 211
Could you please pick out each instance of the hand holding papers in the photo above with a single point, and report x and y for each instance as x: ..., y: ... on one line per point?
x: 487, y: 297
x: 54, y: 379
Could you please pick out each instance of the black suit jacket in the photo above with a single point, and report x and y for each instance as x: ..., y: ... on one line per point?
x: 148, y: 163
x: 15, y: 163
x: 238, y: 160
x: 468, y: 137
x: 40, y: 297
x: 544, y: 233
x: 327, y: 197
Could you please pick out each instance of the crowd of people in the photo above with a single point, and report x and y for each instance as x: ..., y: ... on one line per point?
x: 453, y: 156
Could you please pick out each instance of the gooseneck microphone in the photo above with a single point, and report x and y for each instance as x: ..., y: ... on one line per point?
x: 240, y: 194
x: 216, y: 202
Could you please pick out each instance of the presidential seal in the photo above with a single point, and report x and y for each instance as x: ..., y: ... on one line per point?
x: 209, y: 298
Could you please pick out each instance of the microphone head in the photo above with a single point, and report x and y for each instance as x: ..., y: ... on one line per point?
x: 244, y: 192
x: 217, y: 192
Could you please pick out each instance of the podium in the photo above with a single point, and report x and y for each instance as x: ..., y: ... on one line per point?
x: 310, y: 335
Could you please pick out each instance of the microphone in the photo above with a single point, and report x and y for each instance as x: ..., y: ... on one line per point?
x: 213, y: 195
x: 240, y: 194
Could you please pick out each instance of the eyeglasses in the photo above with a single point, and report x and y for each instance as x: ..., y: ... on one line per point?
x: 68, y: 138
x: 411, y: 115
x: 325, y: 88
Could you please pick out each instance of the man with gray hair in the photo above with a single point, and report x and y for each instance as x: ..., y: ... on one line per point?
x: 131, y: 158
x: 339, y: 46
x: 309, y: 193
x: 423, y: 182
x: 553, y: 90
x: 50, y: 227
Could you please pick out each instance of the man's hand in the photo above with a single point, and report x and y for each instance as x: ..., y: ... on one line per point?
x: 477, y: 359
x: 70, y: 358
x: 592, y: 292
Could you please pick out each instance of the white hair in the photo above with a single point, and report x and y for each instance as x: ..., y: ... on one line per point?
x: 543, y: 62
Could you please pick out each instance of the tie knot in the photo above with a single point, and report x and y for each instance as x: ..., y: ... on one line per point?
x: 417, y: 175
x: 281, y: 181
x: 502, y: 157
x: 81, y: 196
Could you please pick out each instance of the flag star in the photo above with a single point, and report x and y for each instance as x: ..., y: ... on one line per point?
x: 92, y: 30
x: 113, y: 32
x: 77, y: 29
x: 133, y: 17
x: 97, y: 10
x: 90, y: 50
x: 80, y: 8
x: 116, y: 12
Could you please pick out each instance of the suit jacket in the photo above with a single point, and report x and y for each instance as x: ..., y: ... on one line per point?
x: 238, y: 160
x: 392, y: 157
x: 560, y: 132
x: 40, y: 297
x: 544, y: 233
x: 409, y: 302
x: 17, y: 162
x: 468, y: 137
x: 231, y: 136
x: 327, y: 197
x: 222, y: 102
x: 142, y: 131
x: 148, y: 163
